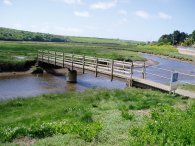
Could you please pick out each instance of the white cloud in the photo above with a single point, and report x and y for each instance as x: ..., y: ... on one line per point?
x: 7, y: 2
x: 72, y: 2
x: 103, y: 5
x: 82, y: 14
x: 142, y: 14
x: 123, y: 12
x: 163, y: 15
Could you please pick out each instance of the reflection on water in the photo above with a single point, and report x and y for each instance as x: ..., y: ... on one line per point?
x: 32, y: 85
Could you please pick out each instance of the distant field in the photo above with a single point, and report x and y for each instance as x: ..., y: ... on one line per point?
x: 101, y: 40
x: 9, y: 49
x: 8, y: 34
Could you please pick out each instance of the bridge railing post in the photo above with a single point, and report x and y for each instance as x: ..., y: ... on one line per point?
x: 55, y: 58
x: 123, y: 64
x: 37, y: 55
x: 48, y: 56
x: 42, y: 55
x: 96, y: 67
x: 112, y: 69
x: 131, y: 76
x: 144, y: 71
x: 63, y: 60
x: 83, y: 60
x: 72, y: 61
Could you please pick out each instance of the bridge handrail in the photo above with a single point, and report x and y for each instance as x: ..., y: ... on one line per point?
x: 94, y: 62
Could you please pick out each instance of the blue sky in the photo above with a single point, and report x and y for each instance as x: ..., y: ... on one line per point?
x: 144, y: 20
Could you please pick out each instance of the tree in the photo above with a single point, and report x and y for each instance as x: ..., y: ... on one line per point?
x: 182, y: 37
x: 176, y: 37
x: 165, y: 39
x: 193, y: 35
x: 188, y: 42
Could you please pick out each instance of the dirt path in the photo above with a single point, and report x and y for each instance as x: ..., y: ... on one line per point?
x: 186, y: 51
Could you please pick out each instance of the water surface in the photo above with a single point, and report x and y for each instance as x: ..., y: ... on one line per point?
x: 174, y: 66
x: 32, y: 85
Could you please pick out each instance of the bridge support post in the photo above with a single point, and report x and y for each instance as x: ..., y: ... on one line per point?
x: 72, y: 76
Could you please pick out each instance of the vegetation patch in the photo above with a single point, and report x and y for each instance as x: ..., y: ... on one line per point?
x: 187, y: 87
x: 166, y: 126
x: 96, y: 117
x: 87, y: 131
x: 16, y: 65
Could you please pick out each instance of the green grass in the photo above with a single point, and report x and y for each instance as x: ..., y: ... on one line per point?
x: 29, y: 49
x: 95, y: 117
x: 164, y: 50
x: 166, y: 126
x: 122, y: 51
x: 187, y: 87
x: 101, y: 40
x: 99, y: 50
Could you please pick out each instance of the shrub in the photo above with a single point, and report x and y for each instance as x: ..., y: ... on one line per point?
x: 87, y: 131
x: 167, y: 126
x: 127, y: 115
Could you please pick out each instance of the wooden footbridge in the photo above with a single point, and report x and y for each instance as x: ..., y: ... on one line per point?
x: 112, y: 68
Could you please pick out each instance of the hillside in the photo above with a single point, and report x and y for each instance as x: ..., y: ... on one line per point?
x: 7, y: 34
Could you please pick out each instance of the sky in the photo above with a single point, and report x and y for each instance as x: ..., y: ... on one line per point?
x: 141, y: 20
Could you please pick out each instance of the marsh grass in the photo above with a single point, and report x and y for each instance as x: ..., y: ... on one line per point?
x: 29, y: 50
x: 121, y: 51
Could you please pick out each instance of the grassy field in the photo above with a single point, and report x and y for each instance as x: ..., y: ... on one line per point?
x: 98, y: 117
x: 187, y: 87
x: 100, y: 50
x: 9, y: 51
x: 163, y: 50
x: 128, y: 51
x: 101, y: 40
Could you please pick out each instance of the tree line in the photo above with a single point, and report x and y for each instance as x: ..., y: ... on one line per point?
x: 7, y: 34
x: 178, y: 38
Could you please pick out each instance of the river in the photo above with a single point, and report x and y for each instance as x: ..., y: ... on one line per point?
x: 32, y: 85
x: 174, y: 66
